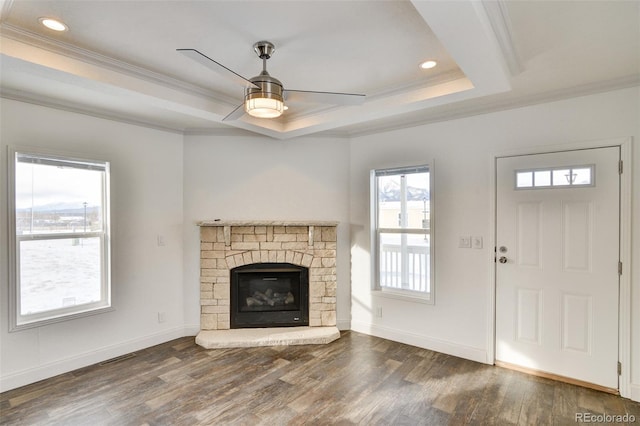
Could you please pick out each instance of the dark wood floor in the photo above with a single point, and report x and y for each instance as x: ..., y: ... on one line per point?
x: 357, y: 379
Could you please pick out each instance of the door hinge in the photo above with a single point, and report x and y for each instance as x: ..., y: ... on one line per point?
x: 620, y: 167
x: 619, y: 368
x: 619, y: 268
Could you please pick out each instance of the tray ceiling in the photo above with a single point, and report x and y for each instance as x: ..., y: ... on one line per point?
x: 118, y: 59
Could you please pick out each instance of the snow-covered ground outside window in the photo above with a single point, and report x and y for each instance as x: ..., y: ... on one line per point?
x: 59, y: 273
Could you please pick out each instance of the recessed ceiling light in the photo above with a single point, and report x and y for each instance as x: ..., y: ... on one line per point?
x: 53, y: 24
x: 428, y: 64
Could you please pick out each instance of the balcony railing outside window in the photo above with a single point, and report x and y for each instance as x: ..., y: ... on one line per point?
x: 414, y: 276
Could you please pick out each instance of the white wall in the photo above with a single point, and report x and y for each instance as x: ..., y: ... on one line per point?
x: 146, y: 190
x: 162, y: 184
x: 462, y: 150
x: 253, y: 177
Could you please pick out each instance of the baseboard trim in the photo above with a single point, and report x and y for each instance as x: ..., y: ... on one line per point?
x: 343, y: 325
x: 45, y: 371
x: 556, y: 377
x: 413, y: 339
x: 191, y: 329
x: 635, y: 393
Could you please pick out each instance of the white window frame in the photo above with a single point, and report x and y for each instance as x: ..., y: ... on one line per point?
x: 17, y: 321
x: 427, y: 297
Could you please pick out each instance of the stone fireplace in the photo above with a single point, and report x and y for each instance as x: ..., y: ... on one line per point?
x: 228, y: 247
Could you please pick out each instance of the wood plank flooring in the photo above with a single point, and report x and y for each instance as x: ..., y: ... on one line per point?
x: 357, y: 379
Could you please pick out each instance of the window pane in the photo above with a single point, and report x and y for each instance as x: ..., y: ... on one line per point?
x: 524, y: 179
x: 582, y: 176
x: 59, y: 273
x: 404, y: 262
x: 542, y: 178
x: 52, y: 199
x: 418, y: 200
x: 561, y: 177
x: 389, y: 201
x: 403, y: 200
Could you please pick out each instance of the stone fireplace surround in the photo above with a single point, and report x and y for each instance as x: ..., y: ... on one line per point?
x: 225, y: 245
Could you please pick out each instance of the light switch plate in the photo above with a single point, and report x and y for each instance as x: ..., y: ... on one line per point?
x: 476, y: 242
x: 464, y: 242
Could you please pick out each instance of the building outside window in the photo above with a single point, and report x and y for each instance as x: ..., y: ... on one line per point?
x: 402, y: 231
x: 60, y: 248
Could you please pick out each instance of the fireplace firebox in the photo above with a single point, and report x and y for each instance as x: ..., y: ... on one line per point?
x: 269, y: 295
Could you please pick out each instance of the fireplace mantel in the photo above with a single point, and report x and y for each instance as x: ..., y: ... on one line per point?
x: 219, y: 222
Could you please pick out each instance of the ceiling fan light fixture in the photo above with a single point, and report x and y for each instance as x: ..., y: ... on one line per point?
x: 265, y: 101
x: 264, y: 107
x: 264, y: 95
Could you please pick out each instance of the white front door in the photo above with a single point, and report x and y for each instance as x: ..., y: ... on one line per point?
x: 557, y: 235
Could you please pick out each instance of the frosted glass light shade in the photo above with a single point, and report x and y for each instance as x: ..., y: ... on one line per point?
x: 264, y: 107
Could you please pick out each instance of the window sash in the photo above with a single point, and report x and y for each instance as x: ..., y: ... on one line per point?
x: 59, y: 236
x: 63, y: 312
x: 426, y: 231
x: 553, y: 175
x: 18, y: 321
x: 60, y: 162
x: 404, y: 265
x: 406, y: 285
x: 401, y: 171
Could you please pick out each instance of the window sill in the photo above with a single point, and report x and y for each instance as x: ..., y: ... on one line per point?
x: 426, y: 299
x: 61, y: 318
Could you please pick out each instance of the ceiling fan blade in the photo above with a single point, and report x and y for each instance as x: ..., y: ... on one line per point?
x: 235, y: 114
x: 217, y: 67
x: 323, y: 97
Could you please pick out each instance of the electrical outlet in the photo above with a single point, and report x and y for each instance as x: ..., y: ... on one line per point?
x: 476, y: 242
x: 160, y: 239
x: 379, y: 312
x: 162, y: 317
x: 464, y: 242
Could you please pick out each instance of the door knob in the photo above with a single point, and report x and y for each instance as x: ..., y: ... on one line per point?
x: 502, y: 259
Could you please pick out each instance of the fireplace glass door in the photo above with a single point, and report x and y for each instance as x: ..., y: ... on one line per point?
x: 269, y: 295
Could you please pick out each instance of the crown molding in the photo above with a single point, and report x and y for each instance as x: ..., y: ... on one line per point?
x: 441, y: 78
x: 498, y: 16
x: 5, y: 8
x: 76, y: 53
x: 503, y: 105
x: 458, y: 113
x: 20, y: 96
x: 226, y: 132
x: 237, y: 132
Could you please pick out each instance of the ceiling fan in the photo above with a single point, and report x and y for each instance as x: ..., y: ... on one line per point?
x: 264, y: 95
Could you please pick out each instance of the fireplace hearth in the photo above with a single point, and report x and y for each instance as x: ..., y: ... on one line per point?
x: 269, y: 295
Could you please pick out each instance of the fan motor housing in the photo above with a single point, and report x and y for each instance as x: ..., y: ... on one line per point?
x: 269, y: 87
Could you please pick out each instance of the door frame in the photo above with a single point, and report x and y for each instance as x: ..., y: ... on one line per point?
x: 624, y: 299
